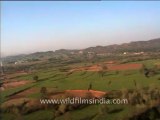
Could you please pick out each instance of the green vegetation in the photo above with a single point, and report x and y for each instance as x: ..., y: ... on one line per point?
x: 53, y: 77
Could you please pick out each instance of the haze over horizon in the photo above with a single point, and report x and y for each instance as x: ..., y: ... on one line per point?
x: 28, y: 27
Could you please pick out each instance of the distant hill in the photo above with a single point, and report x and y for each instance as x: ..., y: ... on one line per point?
x: 138, y: 46
x: 145, y: 46
x: 32, y: 56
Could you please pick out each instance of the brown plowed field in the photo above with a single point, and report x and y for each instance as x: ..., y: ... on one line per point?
x: 130, y: 66
x: 85, y: 93
x: 125, y: 66
x: 10, y: 84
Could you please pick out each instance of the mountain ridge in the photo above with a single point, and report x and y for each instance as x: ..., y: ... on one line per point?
x: 152, y: 45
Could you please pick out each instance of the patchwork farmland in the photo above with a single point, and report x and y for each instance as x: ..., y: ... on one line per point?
x: 135, y: 78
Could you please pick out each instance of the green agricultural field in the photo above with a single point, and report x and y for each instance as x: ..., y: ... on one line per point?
x: 56, y: 80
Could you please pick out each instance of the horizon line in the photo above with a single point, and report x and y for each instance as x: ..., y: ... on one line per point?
x: 3, y: 56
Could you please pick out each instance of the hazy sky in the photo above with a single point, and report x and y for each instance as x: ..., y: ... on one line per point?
x: 41, y: 26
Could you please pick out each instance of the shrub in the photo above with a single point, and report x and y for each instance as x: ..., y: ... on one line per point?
x: 35, y: 77
x: 62, y: 108
x: 43, y: 92
x: 57, y: 113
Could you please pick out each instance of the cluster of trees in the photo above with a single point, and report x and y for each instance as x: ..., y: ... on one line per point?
x: 36, y: 78
x: 143, y: 99
x: 103, y: 70
x: 148, y: 72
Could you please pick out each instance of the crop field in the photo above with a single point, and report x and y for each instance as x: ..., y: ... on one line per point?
x: 75, y: 80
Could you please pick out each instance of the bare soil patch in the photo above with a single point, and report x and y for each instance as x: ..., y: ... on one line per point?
x: 79, y: 93
x: 111, y: 67
x: 11, y: 84
x: 85, y: 93
x: 125, y: 66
